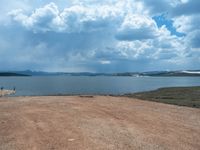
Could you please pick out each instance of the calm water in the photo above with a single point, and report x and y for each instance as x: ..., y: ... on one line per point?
x: 91, y: 85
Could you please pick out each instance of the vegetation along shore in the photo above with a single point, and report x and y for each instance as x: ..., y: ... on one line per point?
x: 182, y: 96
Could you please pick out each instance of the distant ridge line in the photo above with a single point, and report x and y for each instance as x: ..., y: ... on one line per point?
x: 181, y: 73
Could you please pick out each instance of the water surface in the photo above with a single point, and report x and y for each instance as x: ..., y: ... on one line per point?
x: 71, y: 85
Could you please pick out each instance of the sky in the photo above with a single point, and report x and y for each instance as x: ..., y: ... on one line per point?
x: 99, y: 35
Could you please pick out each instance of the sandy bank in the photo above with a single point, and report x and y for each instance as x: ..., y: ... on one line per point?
x: 96, y: 123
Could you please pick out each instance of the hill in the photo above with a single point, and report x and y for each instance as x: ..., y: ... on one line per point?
x: 5, y: 74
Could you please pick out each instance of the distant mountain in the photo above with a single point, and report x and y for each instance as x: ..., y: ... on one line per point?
x: 172, y: 73
x: 11, y: 74
x: 161, y: 73
x: 127, y: 74
x: 40, y: 73
x: 87, y: 74
x: 35, y: 73
x: 134, y: 74
x: 192, y: 71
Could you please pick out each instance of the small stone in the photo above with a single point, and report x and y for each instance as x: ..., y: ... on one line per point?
x: 70, y: 140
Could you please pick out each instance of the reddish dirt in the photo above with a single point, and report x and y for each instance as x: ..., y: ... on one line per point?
x: 96, y: 123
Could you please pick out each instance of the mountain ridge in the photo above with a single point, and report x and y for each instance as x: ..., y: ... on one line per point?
x: 135, y: 74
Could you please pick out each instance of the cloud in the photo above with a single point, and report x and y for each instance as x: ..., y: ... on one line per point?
x: 187, y: 24
x: 159, y: 6
x: 42, y: 19
x: 194, y: 39
x: 186, y: 17
x: 189, y: 7
x: 99, y: 36
x: 137, y: 27
x: 77, y: 18
x: 105, y: 62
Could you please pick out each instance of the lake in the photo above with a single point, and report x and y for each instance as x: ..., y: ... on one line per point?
x: 71, y: 85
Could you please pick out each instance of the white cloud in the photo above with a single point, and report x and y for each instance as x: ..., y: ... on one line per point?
x: 186, y: 23
x: 190, y: 25
x: 137, y: 27
x: 42, y: 19
x: 76, y: 18
x: 105, y: 62
x: 98, y: 35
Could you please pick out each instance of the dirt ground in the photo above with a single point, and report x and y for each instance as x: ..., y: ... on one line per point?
x: 96, y: 123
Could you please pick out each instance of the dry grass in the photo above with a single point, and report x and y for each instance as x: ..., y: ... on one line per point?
x: 182, y: 96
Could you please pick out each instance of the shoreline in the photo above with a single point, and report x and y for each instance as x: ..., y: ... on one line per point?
x: 6, y: 92
x: 181, y: 96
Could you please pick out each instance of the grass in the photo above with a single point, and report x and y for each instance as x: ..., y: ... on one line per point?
x: 182, y: 96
